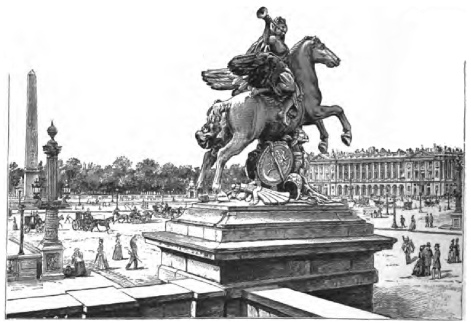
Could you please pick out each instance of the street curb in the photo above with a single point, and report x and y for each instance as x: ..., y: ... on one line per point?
x: 420, y: 231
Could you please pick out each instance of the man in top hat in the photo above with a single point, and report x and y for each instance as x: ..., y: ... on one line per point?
x: 430, y: 220
x: 428, y: 255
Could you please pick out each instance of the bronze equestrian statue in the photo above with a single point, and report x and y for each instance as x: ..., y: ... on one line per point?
x: 275, y: 92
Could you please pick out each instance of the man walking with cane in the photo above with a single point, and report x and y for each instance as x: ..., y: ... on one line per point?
x: 134, y: 258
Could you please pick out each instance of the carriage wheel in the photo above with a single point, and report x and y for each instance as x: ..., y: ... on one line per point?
x: 75, y: 225
x: 27, y: 229
x: 40, y: 228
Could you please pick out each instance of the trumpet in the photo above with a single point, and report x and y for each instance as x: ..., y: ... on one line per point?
x: 262, y: 13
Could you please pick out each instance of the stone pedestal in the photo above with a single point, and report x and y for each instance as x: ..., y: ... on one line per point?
x: 52, y: 249
x: 303, y: 247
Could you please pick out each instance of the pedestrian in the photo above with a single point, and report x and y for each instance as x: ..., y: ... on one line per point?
x: 394, y: 224
x: 426, y: 221
x: 451, y: 252
x: 133, y: 252
x: 68, y: 219
x: 419, y: 265
x: 412, y: 225
x: 430, y: 220
x: 15, y: 225
x: 437, y: 266
x: 118, y: 250
x: 79, y: 263
x: 408, y: 248
x: 428, y: 259
x: 457, y: 250
x: 439, y: 208
x: 403, y: 222
x: 101, y: 257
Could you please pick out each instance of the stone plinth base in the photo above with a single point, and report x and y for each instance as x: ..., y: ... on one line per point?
x: 52, y: 260
x: 456, y: 222
x: 303, y: 247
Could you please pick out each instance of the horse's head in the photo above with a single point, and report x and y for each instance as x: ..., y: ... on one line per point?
x: 320, y: 53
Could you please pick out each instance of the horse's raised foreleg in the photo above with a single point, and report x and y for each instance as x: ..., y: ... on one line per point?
x: 234, y: 147
x: 324, y: 135
x: 316, y: 113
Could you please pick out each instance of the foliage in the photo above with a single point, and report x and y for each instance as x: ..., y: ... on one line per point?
x: 147, y: 176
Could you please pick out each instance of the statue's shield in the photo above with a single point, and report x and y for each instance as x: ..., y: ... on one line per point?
x: 275, y: 163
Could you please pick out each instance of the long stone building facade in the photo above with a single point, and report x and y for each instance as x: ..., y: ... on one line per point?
x: 377, y: 172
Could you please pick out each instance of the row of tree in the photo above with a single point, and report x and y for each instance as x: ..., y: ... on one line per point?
x: 147, y: 176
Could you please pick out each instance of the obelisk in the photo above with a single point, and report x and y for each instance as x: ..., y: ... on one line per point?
x: 31, y: 147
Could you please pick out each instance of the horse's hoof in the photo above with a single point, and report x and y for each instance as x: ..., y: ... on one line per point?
x: 346, y: 139
x: 323, y: 147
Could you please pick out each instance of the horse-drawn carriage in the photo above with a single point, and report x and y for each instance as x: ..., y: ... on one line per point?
x: 363, y: 202
x: 407, y: 205
x: 134, y: 216
x: 83, y: 221
x: 86, y: 222
x: 431, y: 202
x: 34, y: 222
x: 166, y: 211
x: 373, y: 212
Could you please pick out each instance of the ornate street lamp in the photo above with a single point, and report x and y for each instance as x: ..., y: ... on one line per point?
x: 387, y: 200
x: 21, y: 212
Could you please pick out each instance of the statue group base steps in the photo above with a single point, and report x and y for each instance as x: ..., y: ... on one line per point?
x: 327, y: 250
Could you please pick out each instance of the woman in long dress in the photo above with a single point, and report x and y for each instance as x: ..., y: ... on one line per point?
x: 419, y: 269
x: 451, y: 252
x: 412, y: 224
x: 118, y: 250
x: 437, y: 266
x: 101, y: 257
x: 79, y: 263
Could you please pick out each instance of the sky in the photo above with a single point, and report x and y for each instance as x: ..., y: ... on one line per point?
x: 124, y: 78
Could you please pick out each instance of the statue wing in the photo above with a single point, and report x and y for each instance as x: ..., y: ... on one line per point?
x: 222, y: 79
x: 255, y: 67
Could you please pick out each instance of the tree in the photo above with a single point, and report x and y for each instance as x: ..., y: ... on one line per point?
x: 121, y: 167
x: 146, y: 175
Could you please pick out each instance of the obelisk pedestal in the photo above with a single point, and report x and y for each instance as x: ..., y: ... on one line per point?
x: 52, y: 249
x: 31, y: 146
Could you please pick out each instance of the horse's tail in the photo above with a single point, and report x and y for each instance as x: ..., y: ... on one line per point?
x: 207, y: 137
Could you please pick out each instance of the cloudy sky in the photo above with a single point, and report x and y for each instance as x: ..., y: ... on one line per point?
x: 123, y: 78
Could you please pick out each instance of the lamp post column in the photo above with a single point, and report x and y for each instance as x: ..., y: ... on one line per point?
x: 52, y: 249
x: 21, y: 212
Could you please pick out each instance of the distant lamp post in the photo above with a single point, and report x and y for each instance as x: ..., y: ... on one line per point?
x: 66, y: 191
x: 420, y: 202
x: 36, y: 189
x: 448, y: 195
x: 79, y: 192
x: 117, y: 199
x: 21, y: 211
